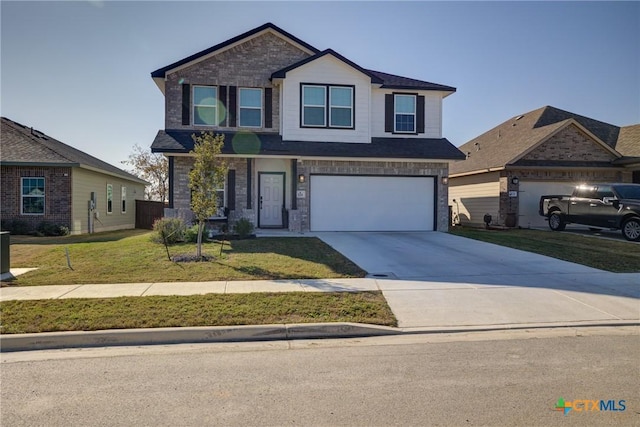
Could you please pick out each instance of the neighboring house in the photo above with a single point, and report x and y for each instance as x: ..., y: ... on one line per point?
x: 45, y: 180
x: 545, y: 151
x: 313, y: 141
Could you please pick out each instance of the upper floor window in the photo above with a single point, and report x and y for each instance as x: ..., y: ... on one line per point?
x: 250, y: 107
x: 322, y: 104
x: 205, y: 105
x: 33, y: 196
x: 405, y: 113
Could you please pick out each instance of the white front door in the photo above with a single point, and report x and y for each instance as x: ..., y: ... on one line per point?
x: 271, y: 199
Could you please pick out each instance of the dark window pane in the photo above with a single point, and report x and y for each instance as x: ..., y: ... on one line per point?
x: 405, y: 123
x: 204, y: 116
x: 341, y: 117
x: 313, y: 116
x: 250, y: 117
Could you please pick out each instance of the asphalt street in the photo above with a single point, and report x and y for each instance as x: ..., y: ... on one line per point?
x: 499, y: 378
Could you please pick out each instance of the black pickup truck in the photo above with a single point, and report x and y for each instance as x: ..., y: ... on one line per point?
x: 614, y: 206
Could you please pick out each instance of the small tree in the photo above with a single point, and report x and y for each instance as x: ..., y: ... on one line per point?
x: 151, y: 167
x: 205, y: 178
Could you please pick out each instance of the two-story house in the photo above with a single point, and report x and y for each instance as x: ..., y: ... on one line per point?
x: 314, y: 142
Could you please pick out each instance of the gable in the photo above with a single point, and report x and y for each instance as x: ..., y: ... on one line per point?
x: 569, y: 144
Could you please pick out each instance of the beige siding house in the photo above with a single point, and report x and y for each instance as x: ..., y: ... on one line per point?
x: 545, y: 151
x: 47, y: 181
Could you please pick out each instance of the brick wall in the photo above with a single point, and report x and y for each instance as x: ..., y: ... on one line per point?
x: 57, y: 194
x: 570, y: 144
x: 249, y: 64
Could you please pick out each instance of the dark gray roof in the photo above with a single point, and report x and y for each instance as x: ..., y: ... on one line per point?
x: 162, y: 71
x: 501, y: 145
x: 392, y: 81
x: 270, y: 144
x: 22, y: 145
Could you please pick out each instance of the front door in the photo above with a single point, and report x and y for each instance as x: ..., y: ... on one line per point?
x: 271, y: 199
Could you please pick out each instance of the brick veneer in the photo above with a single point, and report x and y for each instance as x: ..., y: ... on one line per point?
x: 249, y: 64
x: 57, y: 194
x: 570, y: 144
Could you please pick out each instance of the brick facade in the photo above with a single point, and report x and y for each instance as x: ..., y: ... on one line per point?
x: 57, y: 184
x: 249, y: 64
x: 570, y: 144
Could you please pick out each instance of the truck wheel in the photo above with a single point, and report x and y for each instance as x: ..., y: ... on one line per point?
x: 556, y: 223
x: 631, y: 229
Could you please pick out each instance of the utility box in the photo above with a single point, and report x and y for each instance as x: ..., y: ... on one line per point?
x: 4, y: 252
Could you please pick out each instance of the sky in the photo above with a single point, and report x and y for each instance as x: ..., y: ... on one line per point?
x: 79, y: 71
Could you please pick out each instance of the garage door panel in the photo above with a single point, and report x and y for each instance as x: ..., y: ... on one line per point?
x: 529, y: 200
x: 366, y: 203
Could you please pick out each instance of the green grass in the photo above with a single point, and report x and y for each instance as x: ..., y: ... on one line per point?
x: 131, y: 257
x: 604, y: 254
x: 197, y: 310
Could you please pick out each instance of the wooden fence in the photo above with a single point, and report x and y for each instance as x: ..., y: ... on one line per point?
x: 147, y: 212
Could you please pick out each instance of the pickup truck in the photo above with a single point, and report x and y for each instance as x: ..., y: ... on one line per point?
x: 614, y: 206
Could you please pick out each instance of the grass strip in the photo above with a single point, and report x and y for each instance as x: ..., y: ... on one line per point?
x: 90, y: 314
x: 603, y: 254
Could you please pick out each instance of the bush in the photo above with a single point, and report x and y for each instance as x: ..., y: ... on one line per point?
x: 170, y: 229
x: 191, y: 234
x: 16, y: 226
x: 243, y: 228
x: 50, y: 229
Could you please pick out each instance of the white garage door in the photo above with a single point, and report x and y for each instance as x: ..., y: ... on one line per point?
x: 528, y: 204
x: 371, y: 203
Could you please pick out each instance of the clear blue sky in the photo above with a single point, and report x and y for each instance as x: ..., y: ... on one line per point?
x: 80, y: 71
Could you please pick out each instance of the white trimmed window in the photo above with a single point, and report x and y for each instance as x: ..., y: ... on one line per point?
x: 123, y: 198
x: 32, y: 196
x: 205, y: 105
x: 250, y: 107
x: 340, y: 106
x: 314, y: 106
x: 109, y: 198
x: 405, y: 113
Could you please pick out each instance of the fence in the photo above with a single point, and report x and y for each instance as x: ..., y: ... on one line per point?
x: 147, y: 212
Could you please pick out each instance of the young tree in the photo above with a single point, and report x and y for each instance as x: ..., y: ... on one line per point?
x: 207, y: 175
x: 152, y: 167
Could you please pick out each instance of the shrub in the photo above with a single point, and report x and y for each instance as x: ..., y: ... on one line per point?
x: 171, y: 230
x: 243, y: 228
x: 16, y: 226
x: 50, y: 229
x: 191, y: 234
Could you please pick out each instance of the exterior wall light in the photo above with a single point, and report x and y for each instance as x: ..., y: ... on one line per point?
x: 301, y: 178
x: 515, y: 180
x: 445, y: 180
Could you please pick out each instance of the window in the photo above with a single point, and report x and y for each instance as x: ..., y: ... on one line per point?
x: 314, y: 100
x: 205, y: 105
x: 250, y: 107
x: 33, y: 196
x: 322, y: 104
x: 109, y: 198
x: 341, y: 107
x: 220, y: 196
x: 123, y: 197
x: 405, y: 113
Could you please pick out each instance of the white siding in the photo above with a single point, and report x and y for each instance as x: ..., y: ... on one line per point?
x: 432, y: 111
x: 475, y: 196
x: 325, y: 70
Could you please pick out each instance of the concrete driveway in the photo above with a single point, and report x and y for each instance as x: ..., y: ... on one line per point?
x: 438, y: 280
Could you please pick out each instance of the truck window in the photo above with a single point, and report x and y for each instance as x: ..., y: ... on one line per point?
x: 605, y: 191
x: 586, y: 192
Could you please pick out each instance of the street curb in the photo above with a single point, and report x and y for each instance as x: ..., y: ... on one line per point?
x: 204, y: 334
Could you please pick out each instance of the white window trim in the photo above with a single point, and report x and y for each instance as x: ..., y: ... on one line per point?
x: 123, y: 199
x: 324, y: 107
x: 22, y: 196
x: 109, y: 212
x: 194, y: 105
x: 224, y: 201
x: 414, y: 114
x: 240, y: 107
x: 350, y: 126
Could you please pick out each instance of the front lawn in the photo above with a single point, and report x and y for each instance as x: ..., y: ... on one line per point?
x: 604, y: 254
x: 196, y: 310
x: 131, y: 257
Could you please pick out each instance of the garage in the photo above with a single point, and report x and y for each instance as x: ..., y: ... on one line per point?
x: 371, y: 203
x: 529, y: 200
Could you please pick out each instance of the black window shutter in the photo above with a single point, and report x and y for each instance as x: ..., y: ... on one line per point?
x: 222, y: 94
x: 231, y: 189
x: 268, y: 110
x: 294, y: 178
x: 186, y: 104
x: 249, y: 175
x: 420, y: 114
x: 232, y: 106
x: 388, y: 113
